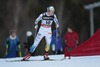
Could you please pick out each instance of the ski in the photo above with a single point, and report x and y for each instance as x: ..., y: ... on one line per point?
x: 33, y: 60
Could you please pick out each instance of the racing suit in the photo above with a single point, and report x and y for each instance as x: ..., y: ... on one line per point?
x: 45, y: 30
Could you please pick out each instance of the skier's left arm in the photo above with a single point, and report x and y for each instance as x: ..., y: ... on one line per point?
x: 56, y: 21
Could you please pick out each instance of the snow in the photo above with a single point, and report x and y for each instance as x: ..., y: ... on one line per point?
x: 86, y: 61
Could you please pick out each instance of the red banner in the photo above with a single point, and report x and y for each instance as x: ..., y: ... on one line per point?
x: 89, y: 47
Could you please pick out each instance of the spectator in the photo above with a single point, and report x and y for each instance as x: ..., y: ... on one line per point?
x: 12, y: 45
x: 29, y: 42
x: 71, y: 41
x: 56, y: 43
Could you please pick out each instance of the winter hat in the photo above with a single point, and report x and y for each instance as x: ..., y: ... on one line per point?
x: 29, y: 33
x: 50, y: 8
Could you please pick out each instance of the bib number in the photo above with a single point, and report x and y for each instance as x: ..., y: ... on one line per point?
x: 48, y: 23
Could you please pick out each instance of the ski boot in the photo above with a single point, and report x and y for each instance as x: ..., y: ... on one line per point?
x: 26, y: 57
x: 46, y: 56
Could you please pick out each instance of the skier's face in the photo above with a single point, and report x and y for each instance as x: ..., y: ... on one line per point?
x: 51, y: 13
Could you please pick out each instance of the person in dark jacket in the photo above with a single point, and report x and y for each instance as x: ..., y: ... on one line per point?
x: 12, y: 45
x: 29, y: 42
x: 71, y: 40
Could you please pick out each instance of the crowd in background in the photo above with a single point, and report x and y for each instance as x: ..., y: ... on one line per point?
x: 71, y: 40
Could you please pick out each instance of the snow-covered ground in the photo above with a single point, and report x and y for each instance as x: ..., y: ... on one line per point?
x: 87, y: 61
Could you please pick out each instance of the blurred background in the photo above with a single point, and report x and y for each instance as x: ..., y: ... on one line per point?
x: 21, y: 14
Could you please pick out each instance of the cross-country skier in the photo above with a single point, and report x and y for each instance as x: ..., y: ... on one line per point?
x: 46, y: 19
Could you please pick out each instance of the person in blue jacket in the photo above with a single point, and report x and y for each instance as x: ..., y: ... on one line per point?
x: 56, y: 43
x: 12, y: 45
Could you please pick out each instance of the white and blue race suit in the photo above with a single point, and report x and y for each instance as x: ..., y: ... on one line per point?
x: 45, y: 30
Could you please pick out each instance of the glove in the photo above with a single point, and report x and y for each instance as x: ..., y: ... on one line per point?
x: 57, y: 26
x: 36, y: 26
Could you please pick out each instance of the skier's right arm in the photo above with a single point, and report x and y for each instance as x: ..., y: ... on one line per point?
x: 37, y: 20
